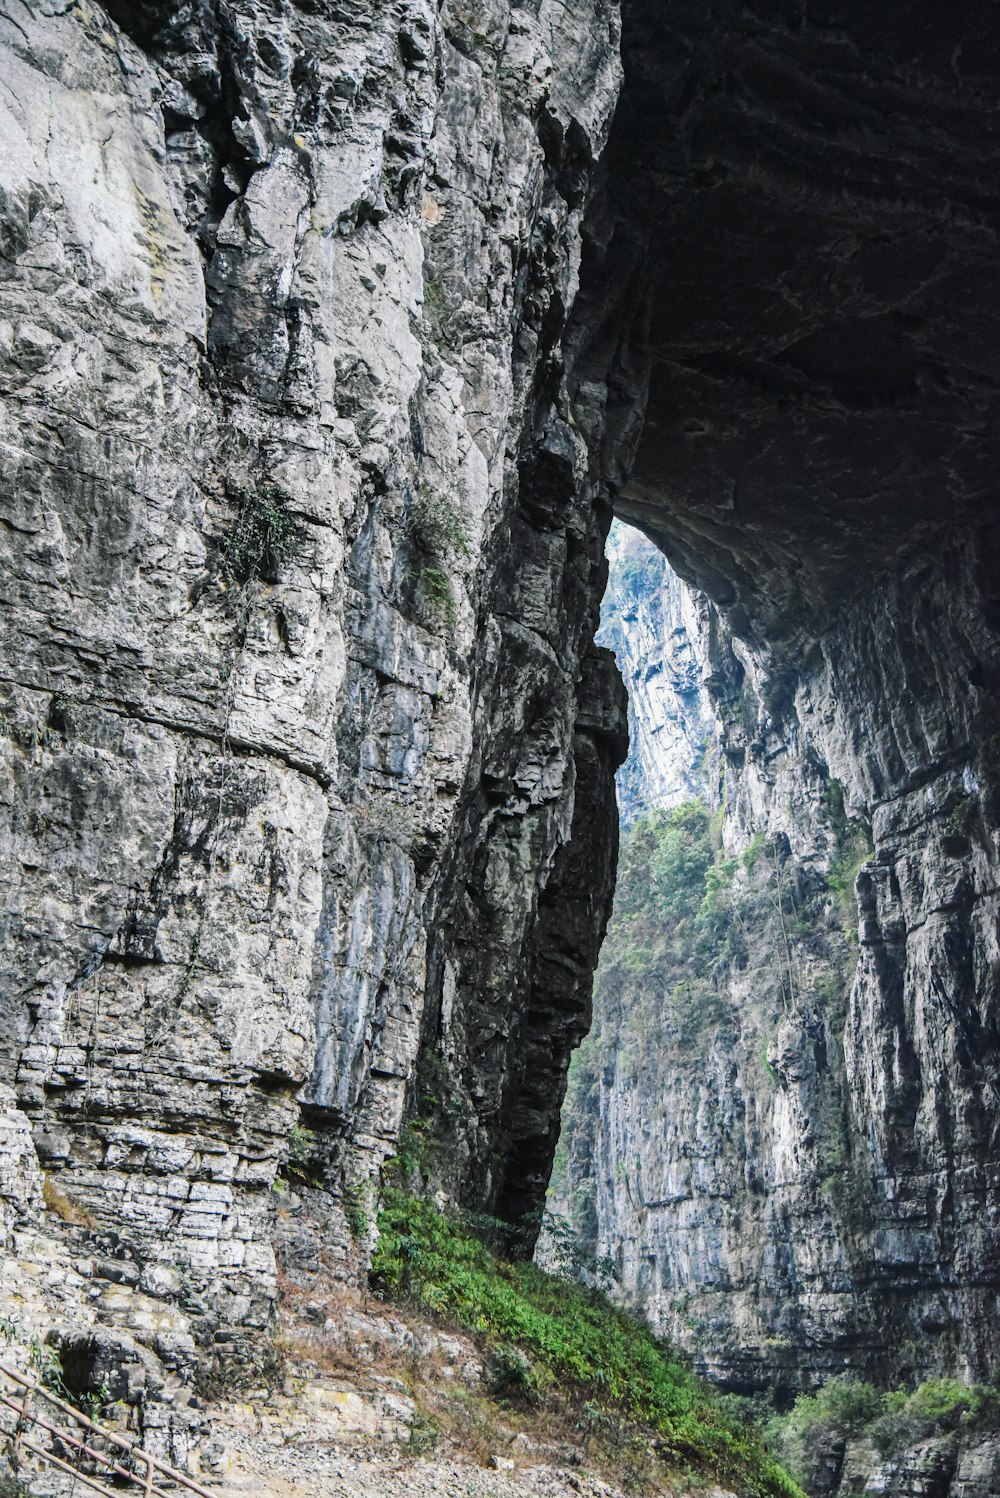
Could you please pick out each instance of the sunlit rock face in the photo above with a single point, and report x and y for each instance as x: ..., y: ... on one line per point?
x: 784, y: 352
x: 656, y: 626
x: 301, y: 564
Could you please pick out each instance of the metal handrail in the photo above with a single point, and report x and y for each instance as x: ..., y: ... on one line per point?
x: 138, y: 1453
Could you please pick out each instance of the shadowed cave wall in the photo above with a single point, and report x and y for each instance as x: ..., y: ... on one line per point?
x: 784, y: 355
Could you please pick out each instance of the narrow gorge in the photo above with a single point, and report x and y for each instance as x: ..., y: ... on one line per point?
x: 334, y: 336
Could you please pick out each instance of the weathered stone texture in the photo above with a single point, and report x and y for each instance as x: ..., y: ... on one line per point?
x: 655, y: 625
x: 20, y: 1177
x: 324, y: 364
x: 301, y: 558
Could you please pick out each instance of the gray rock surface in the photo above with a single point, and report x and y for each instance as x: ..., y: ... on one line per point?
x: 20, y: 1177
x: 290, y: 745
x: 329, y: 339
x: 950, y: 1466
x: 655, y: 625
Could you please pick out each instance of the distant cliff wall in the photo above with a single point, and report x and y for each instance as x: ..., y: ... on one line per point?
x: 785, y: 1140
x: 656, y: 628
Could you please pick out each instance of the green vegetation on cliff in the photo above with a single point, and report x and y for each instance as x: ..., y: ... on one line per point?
x: 847, y: 1410
x: 686, y: 915
x: 553, y: 1339
x: 672, y: 895
x: 708, y: 955
x: 686, y: 919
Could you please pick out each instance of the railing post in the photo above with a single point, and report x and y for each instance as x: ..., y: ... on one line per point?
x: 136, y: 1455
x: 23, y: 1420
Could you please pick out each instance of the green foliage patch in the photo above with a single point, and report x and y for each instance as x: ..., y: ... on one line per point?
x: 259, y: 541
x: 438, y: 313
x: 299, y: 1166
x: 676, y: 923
x: 848, y: 1409
x: 357, y: 1209
x: 933, y: 1408
x: 640, y: 570
x: 439, y: 534
x: 14, y: 1487
x: 669, y: 890
x: 436, y: 596
x: 550, y: 1337
x: 569, y: 1252
x: 687, y: 917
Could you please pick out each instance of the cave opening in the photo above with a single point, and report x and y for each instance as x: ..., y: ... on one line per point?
x: 783, y: 358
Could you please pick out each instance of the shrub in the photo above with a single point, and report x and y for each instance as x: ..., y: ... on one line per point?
x: 842, y: 1408
x: 512, y: 1377
x: 424, y: 1435
x: 260, y: 539
x: 854, y: 848
x: 934, y: 1407
x: 752, y: 852
x: 439, y: 524
x: 357, y: 1212
x: 439, y: 535
x: 846, y: 1408
x: 673, y: 912
x: 640, y: 571
x: 438, y: 313
x: 568, y: 1251
x: 299, y: 1165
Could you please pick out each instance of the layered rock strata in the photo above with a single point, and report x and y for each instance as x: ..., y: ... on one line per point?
x: 301, y: 558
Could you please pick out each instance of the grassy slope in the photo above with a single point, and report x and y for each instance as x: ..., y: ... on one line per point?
x: 558, y: 1340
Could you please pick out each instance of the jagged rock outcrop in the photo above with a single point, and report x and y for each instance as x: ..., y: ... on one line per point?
x: 302, y: 564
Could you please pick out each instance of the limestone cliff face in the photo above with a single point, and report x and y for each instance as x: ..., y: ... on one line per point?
x: 785, y: 1135
x: 330, y: 337
x: 657, y: 628
x: 301, y: 558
